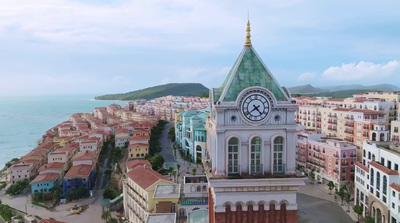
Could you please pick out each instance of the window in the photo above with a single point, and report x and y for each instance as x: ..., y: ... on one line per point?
x: 233, y: 156
x: 278, y: 154
x: 255, y: 164
x: 378, y: 180
x: 384, y: 184
x: 382, y: 161
x: 396, y: 167
x: 369, y: 155
x: 372, y: 177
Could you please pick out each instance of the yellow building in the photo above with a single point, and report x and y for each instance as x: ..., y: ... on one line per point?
x: 138, y: 150
x: 142, y: 195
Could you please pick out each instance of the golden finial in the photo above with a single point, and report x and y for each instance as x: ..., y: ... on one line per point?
x: 248, y: 40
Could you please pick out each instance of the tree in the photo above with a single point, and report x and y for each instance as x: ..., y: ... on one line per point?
x: 110, y: 193
x: 113, y: 220
x: 347, y: 199
x: 331, y: 185
x: 341, y: 194
x: 369, y: 220
x: 18, y: 187
x: 312, y: 176
x: 157, y: 162
x: 178, y: 167
x: 194, y: 171
x: 358, y: 210
x: 106, y: 215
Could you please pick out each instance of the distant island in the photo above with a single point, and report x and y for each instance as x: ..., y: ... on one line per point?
x: 178, y: 89
x: 341, y: 91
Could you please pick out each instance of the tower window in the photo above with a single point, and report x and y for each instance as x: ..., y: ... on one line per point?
x: 255, y: 163
x: 278, y: 154
x: 233, y: 156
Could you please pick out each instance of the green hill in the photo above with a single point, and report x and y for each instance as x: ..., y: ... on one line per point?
x: 306, y: 89
x: 339, y: 94
x: 177, y: 89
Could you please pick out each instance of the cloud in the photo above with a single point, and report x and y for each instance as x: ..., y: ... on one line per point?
x: 362, y: 71
x: 306, y: 77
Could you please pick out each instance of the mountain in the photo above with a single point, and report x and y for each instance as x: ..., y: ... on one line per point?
x: 306, y: 89
x: 177, y: 89
x: 378, y: 87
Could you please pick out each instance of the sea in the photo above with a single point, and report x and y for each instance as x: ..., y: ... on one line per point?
x: 23, y: 120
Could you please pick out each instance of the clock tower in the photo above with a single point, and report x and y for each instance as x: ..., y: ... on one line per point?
x: 251, y: 146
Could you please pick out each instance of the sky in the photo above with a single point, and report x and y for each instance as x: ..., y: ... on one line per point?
x: 59, y: 47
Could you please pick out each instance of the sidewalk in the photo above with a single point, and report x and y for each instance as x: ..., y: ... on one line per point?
x: 322, y: 191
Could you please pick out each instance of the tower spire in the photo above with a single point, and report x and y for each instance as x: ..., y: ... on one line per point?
x: 248, y: 35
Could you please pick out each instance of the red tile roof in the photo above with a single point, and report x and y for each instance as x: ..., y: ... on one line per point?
x: 50, y: 221
x: 52, y: 166
x: 139, y: 144
x: 366, y: 111
x: 362, y: 166
x: 132, y: 163
x: 118, y: 131
x: 70, y: 147
x: 395, y: 187
x: 342, y: 109
x: 383, y: 168
x: 145, y: 137
x: 49, y: 177
x: 82, y: 170
x: 86, y: 155
x: 144, y: 176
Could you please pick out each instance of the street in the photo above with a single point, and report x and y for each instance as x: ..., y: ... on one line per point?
x: 315, y: 205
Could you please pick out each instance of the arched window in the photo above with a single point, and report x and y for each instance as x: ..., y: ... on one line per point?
x: 278, y: 154
x: 255, y: 155
x: 378, y: 180
x: 384, y: 184
x: 344, y: 155
x: 233, y: 156
x: 372, y: 177
x: 364, y: 153
x: 369, y: 155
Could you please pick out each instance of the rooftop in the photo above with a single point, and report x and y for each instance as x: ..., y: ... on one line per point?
x: 50, y: 177
x: 132, y: 163
x: 144, y: 176
x: 82, y: 170
x: 86, y: 155
x: 383, y: 168
x: 53, y: 166
x: 167, y: 191
x: 161, y: 218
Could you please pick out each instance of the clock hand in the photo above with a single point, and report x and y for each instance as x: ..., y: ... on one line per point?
x: 258, y: 110
x: 255, y: 108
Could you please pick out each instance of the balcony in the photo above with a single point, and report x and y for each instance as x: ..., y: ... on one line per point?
x: 318, y: 120
x: 336, y: 171
x: 332, y: 116
x: 349, y: 124
x: 349, y: 117
x: 366, y: 127
x: 318, y: 113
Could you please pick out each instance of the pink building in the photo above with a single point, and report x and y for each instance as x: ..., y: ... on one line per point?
x: 331, y: 158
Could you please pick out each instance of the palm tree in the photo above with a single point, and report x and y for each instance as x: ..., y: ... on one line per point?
x: 178, y: 166
x: 358, y: 210
x: 342, y: 195
x: 113, y: 220
x: 331, y: 185
x: 106, y: 215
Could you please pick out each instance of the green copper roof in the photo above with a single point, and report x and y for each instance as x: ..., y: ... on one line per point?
x: 248, y: 71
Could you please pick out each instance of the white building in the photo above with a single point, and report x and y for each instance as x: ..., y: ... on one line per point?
x: 251, y: 145
x: 377, y: 181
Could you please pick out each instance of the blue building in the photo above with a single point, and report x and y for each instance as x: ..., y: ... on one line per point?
x: 45, y: 183
x: 80, y: 176
x: 190, y: 132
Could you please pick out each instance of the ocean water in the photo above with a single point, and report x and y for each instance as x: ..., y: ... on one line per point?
x: 23, y: 120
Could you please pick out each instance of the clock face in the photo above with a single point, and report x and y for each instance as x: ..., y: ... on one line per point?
x: 255, y: 107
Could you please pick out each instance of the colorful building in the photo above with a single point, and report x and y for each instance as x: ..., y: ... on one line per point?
x: 45, y: 183
x: 332, y: 159
x: 191, y: 134
x: 80, y: 176
x: 139, y: 190
x: 138, y: 150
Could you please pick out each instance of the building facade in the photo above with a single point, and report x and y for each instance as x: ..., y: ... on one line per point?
x: 377, y: 183
x: 251, y: 146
